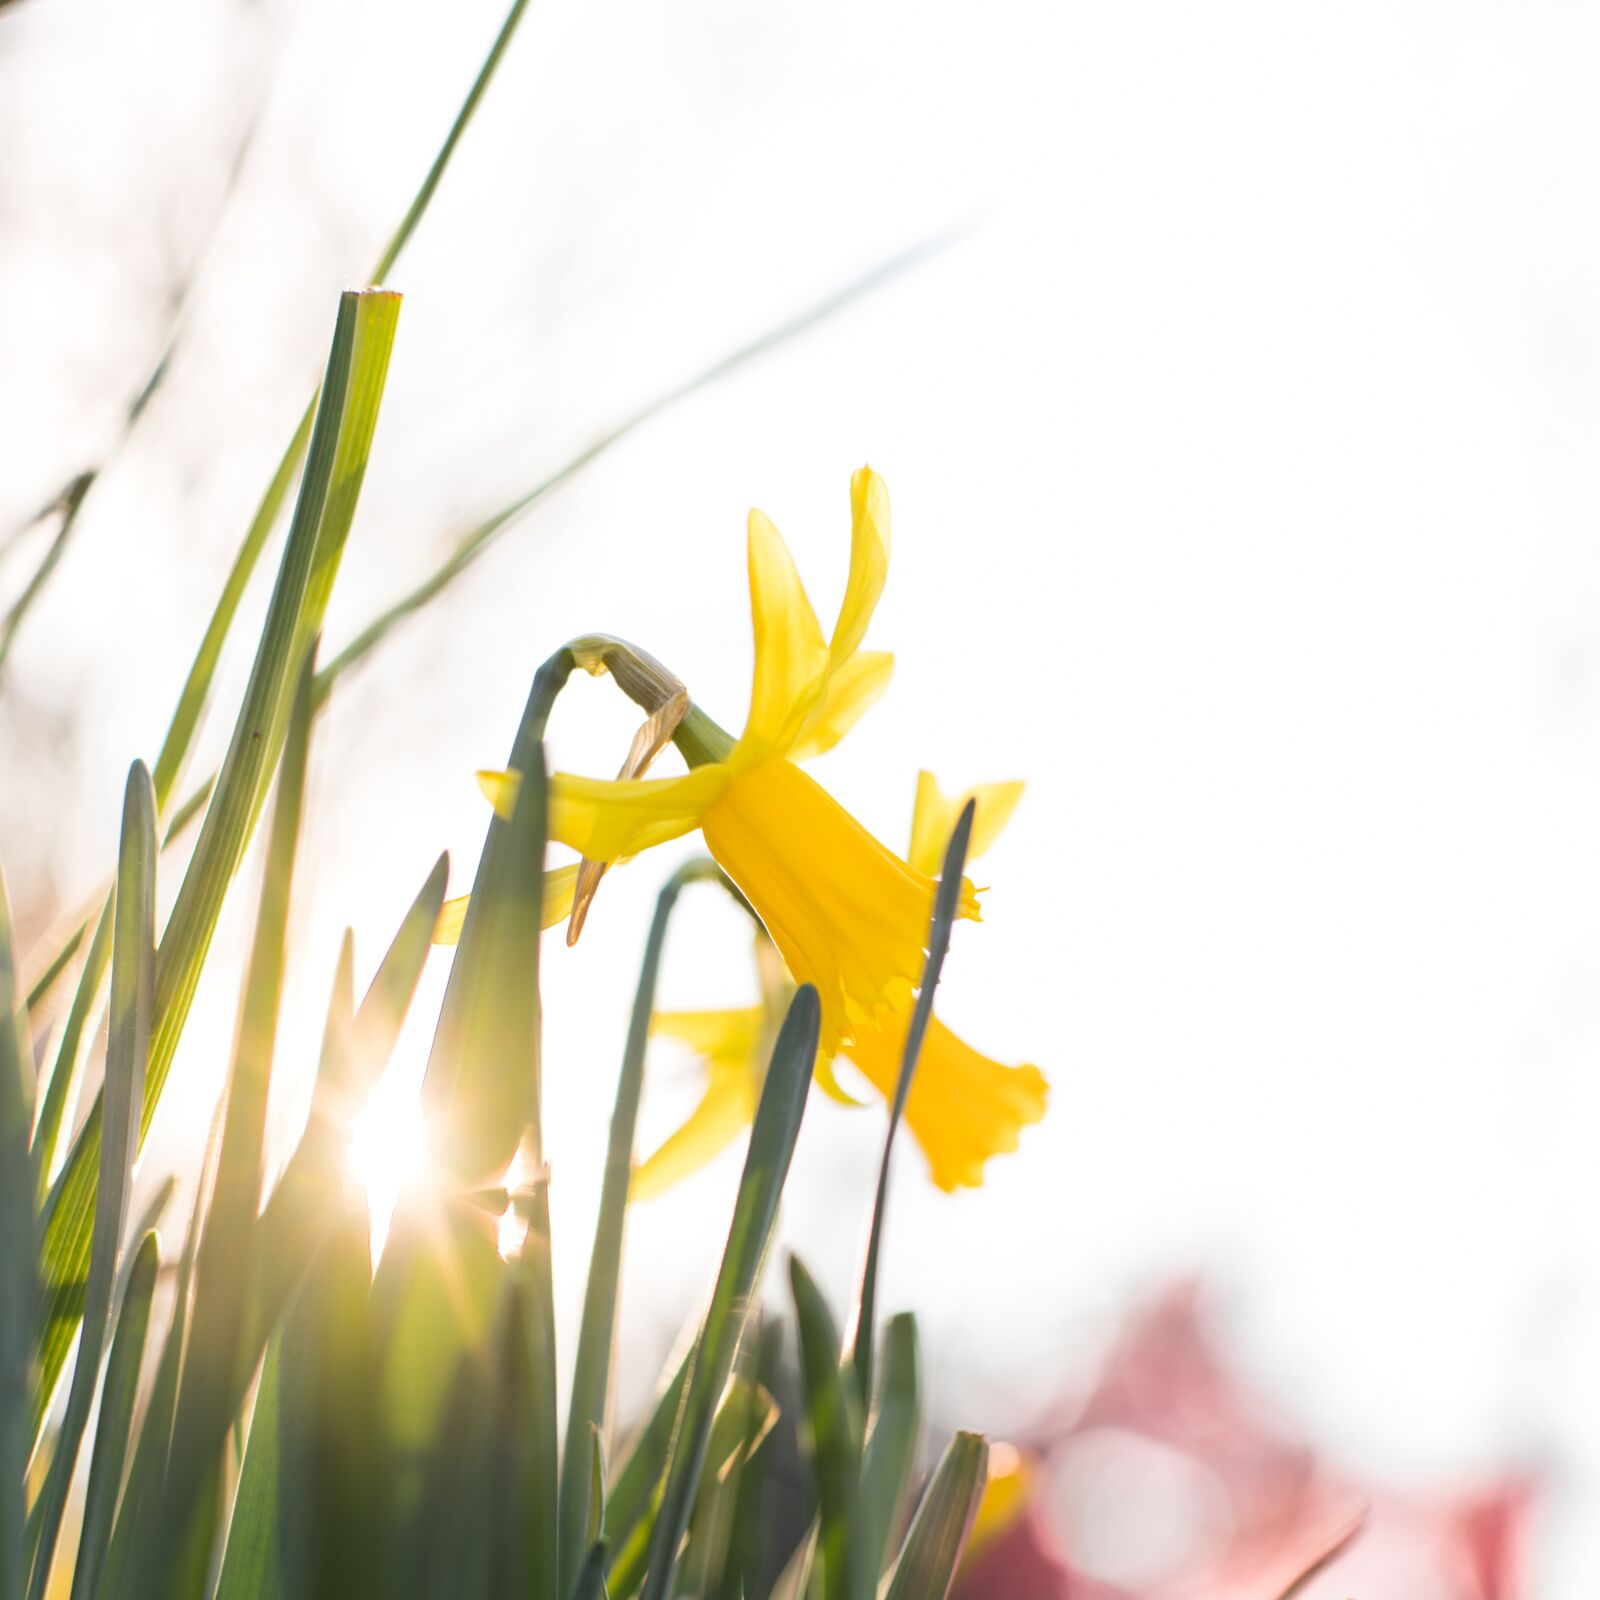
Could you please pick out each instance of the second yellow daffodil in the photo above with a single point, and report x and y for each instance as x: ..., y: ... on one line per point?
x: 964, y: 1107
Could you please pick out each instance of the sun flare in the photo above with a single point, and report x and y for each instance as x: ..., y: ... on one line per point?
x: 388, y: 1153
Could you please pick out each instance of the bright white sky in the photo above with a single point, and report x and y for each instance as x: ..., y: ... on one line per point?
x: 1244, y: 487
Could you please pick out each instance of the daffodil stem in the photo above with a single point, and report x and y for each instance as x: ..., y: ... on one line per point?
x: 701, y: 741
x: 591, y: 1375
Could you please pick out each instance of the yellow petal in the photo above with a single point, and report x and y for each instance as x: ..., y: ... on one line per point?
x: 558, y: 886
x: 724, y: 1110
x: 869, y: 563
x: 500, y: 790
x: 603, y: 819
x: 850, y: 691
x: 791, y: 656
x: 933, y: 819
x: 726, y: 1038
x: 963, y: 1107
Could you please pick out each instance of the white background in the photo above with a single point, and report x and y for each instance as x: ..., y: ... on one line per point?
x: 1242, y: 458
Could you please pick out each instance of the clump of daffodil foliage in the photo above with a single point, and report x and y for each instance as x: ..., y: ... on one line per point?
x: 273, y: 1409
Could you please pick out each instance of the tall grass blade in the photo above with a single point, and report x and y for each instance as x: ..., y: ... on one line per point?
x: 250, y: 1569
x: 744, y: 1416
x: 61, y: 1090
x: 831, y: 1430
x: 133, y: 959
x: 946, y: 905
x: 118, y: 1393
x: 745, y: 1560
x: 772, y: 1142
x: 891, y: 1451
x: 532, y: 1410
x: 18, y: 1263
x: 42, y: 986
x: 218, y: 1365
x: 357, y: 366
x: 597, y: 1332
x: 482, y: 1085
x: 332, y: 1473
x: 637, y: 1486
x: 482, y: 1091
x: 590, y: 1583
x: 927, y: 1565
x: 143, y: 1488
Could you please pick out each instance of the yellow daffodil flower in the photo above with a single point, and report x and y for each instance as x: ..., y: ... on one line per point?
x: 964, y: 1107
x: 848, y: 915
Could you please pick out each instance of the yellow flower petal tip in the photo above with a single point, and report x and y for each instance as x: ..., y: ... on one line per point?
x: 934, y: 817
x: 964, y: 1107
x: 500, y: 790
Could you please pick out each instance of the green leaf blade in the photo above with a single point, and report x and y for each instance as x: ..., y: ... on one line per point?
x: 927, y: 1565
x: 133, y: 909
x: 112, y: 1430
x: 772, y: 1142
x: 18, y: 1263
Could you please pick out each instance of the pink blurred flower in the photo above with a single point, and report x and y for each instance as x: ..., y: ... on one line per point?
x: 1170, y: 1482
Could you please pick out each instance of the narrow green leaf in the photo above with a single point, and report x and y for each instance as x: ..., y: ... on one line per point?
x: 744, y: 1567
x: 534, y: 1485
x: 482, y: 1092
x: 217, y: 1366
x: 516, y: 1567
x: 127, y: 1052
x: 448, y: 1544
x: 637, y: 1487
x: 946, y: 907
x: 742, y: 1422
x: 891, y: 1441
x: 831, y: 1432
x: 145, y: 1475
x: 250, y: 1568
x: 482, y: 1085
x: 66, y: 1074
x: 332, y: 1468
x: 744, y: 1415
x: 59, y: 962
x: 595, y: 1523
x: 590, y: 1583
x: 18, y: 1263
x: 357, y: 366
x: 795, y: 1581
x: 112, y: 1428
x: 597, y: 1332
x: 927, y: 1565
x: 772, y: 1142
